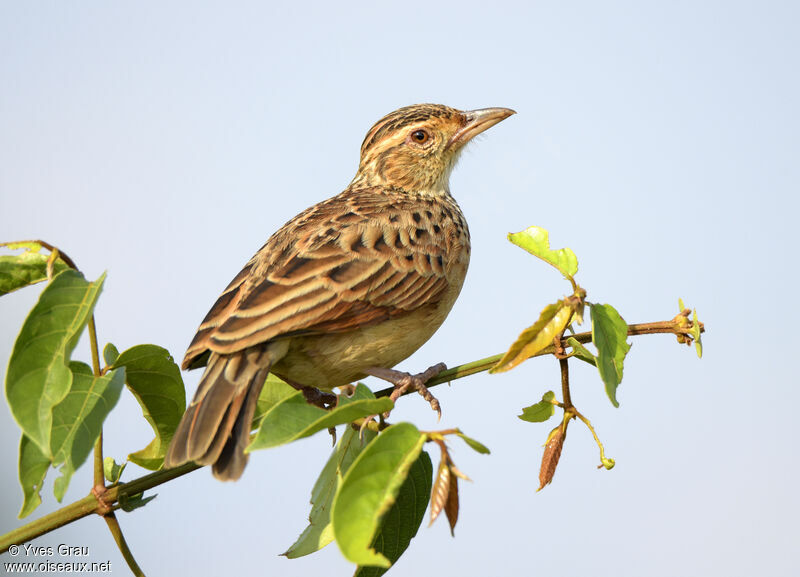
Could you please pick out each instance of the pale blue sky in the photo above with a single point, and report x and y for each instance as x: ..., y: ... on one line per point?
x: 164, y: 142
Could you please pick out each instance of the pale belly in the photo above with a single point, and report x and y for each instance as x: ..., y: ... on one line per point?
x: 327, y: 361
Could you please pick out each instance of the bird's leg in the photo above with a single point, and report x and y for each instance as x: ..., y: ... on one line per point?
x: 405, y: 382
x: 318, y: 398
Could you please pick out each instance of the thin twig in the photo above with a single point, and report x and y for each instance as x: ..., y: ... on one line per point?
x: 564, y: 364
x: 99, y: 479
x: 88, y: 505
x: 116, y: 532
x: 461, y: 371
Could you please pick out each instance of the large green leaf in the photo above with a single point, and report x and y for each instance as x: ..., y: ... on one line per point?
x: 552, y: 322
x: 401, y: 522
x: 293, y: 418
x: 20, y: 270
x: 33, y: 466
x: 155, y: 380
x: 319, y: 531
x: 78, y: 419
x: 536, y: 241
x: 370, y: 488
x: 609, y: 332
x: 38, y: 376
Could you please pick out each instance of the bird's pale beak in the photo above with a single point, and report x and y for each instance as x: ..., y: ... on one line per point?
x: 476, y: 121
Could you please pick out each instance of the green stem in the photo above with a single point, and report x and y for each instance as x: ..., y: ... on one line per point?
x: 116, y: 532
x: 88, y: 506
x: 99, y: 480
x: 461, y: 371
x: 607, y: 463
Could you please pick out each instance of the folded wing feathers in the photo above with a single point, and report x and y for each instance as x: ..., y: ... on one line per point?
x: 344, y: 277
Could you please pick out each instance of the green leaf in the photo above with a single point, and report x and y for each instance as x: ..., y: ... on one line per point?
x: 370, y: 488
x: 133, y: 502
x: 552, y: 321
x: 110, y: 354
x: 273, y: 392
x: 155, y: 381
x: 402, y: 521
x: 609, y: 332
x: 27, y: 268
x: 536, y: 241
x: 474, y: 445
x: 38, y: 376
x: 293, y: 418
x: 112, y: 471
x: 33, y: 466
x: 78, y: 419
x: 541, y: 411
x: 319, y: 531
x: 581, y: 352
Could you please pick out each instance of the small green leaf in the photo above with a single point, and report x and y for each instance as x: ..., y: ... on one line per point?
x: 541, y: 411
x: 581, y: 352
x: 38, y: 376
x: 27, y: 268
x: 552, y: 322
x: 536, y: 241
x: 319, y: 531
x: 370, y: 488
x: 609, y: 331
x: 402, y: 521
x: 155, y: 381
x: 133, y: 502
x: 293, y: 418
x: 112, y: 471
x: 33, y: 466
x: 474, y: 445
x: 78, y: 419
x: 110, y: 354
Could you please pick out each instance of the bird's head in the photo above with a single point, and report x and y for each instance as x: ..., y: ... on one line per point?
x: 415, y: 148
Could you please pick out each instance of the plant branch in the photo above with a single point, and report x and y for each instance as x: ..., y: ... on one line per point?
x: 661, y: 327
x: 116, y: 532
x: 90, y: 504
x: 564, y: 364
x: 99, y: 480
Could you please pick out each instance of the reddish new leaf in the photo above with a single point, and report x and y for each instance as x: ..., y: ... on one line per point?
x: 451, y: 507
x: 441, y: 485
x: 551, y: 455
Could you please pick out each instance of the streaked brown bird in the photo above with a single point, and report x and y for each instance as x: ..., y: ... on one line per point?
x: 348, y: 288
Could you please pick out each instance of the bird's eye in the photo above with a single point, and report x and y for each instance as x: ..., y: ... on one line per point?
x: 420, y: 136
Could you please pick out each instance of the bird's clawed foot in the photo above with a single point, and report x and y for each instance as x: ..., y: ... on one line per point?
x: 405, y: 382
x: 321, y: 399
x: 318, y: 398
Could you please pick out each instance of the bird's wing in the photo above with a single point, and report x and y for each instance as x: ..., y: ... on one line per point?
x: 354, y: 260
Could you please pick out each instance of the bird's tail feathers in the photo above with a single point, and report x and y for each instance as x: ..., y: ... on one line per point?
x: 215, y: 430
